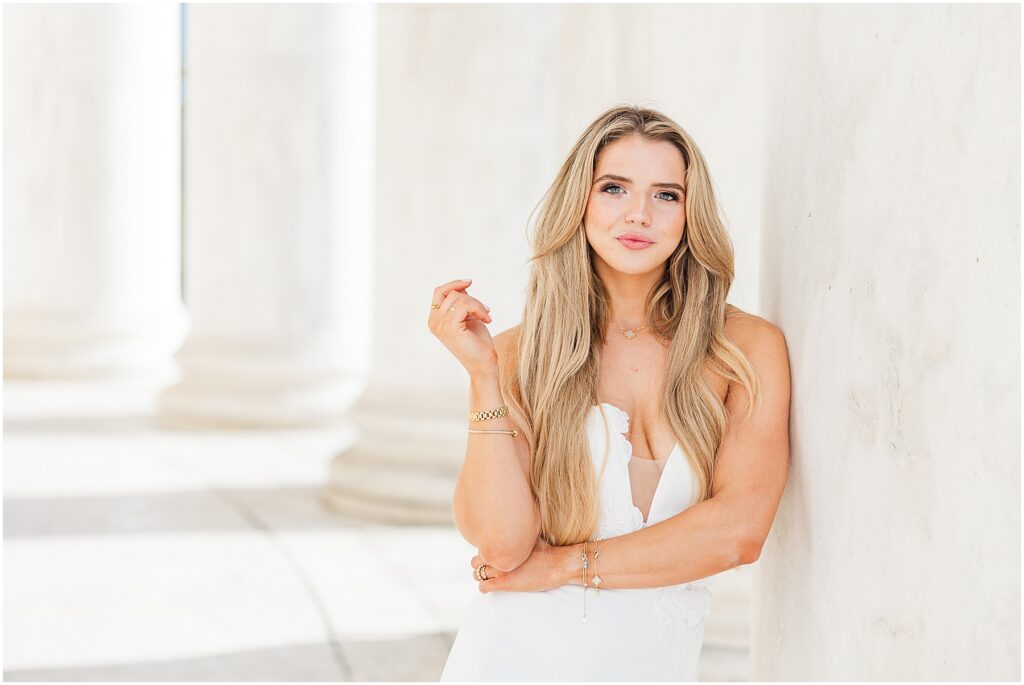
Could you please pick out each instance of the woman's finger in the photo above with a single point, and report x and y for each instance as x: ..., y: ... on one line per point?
x: 496, y: 580
x: 441, y: 291
x: 464, y: 307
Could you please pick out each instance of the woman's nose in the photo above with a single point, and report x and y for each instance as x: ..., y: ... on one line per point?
x: 637, y: 214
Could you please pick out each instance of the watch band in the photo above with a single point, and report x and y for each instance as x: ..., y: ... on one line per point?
x: 489, y: 414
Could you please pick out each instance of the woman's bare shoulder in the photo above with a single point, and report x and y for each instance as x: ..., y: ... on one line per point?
x: 764, y: 346
x: 742, y: 327
x: 507, y: 335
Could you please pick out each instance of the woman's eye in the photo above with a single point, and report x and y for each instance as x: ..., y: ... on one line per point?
x: 665, y: 194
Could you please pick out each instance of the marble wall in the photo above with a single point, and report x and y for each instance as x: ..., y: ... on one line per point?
x: 891, y: 245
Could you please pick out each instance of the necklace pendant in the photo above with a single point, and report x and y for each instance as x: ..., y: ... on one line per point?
x: 629, y: 334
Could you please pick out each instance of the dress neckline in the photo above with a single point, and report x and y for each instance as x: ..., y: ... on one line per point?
x: 631, y: 456
x: 661, y: 478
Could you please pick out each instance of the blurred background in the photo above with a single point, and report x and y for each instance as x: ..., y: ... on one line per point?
x: 230, y: 441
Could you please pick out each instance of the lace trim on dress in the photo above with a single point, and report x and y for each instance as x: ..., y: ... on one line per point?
x: 618, y: 513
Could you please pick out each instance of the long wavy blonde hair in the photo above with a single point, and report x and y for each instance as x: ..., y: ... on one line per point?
x: 551, y: 384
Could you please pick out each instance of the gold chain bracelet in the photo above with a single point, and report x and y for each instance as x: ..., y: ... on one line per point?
x: 596, y: 580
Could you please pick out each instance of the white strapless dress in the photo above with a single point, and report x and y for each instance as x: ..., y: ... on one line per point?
x: 631, y: 633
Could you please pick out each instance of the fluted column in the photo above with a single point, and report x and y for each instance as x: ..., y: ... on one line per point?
x: 91, y: 189
x: 467, y: 149
x: 891, y: 261
x: 279, y: 191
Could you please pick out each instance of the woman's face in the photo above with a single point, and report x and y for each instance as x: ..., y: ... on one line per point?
x: 638, y: 192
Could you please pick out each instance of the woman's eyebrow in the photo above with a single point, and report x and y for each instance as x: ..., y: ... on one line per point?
x: 613, y: 177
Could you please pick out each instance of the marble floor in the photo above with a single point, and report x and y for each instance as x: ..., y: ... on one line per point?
x: 139, y: 553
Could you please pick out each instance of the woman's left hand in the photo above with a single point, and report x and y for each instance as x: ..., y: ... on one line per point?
x: 543, y: 570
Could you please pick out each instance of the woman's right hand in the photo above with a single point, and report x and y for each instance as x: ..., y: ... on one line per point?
x: 462, y: 330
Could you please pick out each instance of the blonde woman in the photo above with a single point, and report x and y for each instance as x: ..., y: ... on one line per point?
x: 629, y: 438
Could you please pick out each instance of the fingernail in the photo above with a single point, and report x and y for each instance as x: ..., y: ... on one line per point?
x: 467, y: 280
x: 487, y: 308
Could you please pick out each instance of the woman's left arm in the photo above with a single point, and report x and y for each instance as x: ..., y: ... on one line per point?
x: 724, y: 531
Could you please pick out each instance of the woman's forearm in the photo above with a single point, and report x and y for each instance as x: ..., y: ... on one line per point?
x: 493, y: 505
x: 705, y: 539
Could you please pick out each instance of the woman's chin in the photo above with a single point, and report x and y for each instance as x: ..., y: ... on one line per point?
x: 632, y: 263
x: 637, y: 267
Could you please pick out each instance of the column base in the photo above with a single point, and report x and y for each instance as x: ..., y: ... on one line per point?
x: 247, y: 389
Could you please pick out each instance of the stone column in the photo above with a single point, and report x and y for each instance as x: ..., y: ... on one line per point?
x: 891, y: 261
x: 278, y: 214
x: 91, y: 190
x: 468, y: 121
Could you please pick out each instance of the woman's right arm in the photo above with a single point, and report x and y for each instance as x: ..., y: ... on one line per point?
x: 493, y: 506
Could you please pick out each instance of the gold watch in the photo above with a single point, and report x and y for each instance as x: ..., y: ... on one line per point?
x: 489, y: 414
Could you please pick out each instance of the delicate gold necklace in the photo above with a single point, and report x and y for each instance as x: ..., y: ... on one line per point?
x: 630, y: 334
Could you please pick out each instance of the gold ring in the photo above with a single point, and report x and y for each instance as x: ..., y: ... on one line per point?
x: 435, y: 305
x: 481, y: 573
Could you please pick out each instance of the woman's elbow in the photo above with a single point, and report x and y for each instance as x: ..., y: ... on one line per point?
x: 506, y: 558
x: 506, y: 554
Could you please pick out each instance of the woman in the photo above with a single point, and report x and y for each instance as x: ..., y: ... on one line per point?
x: 629, y: 438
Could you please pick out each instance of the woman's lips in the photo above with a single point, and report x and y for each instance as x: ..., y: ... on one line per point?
x: 634, y: 244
